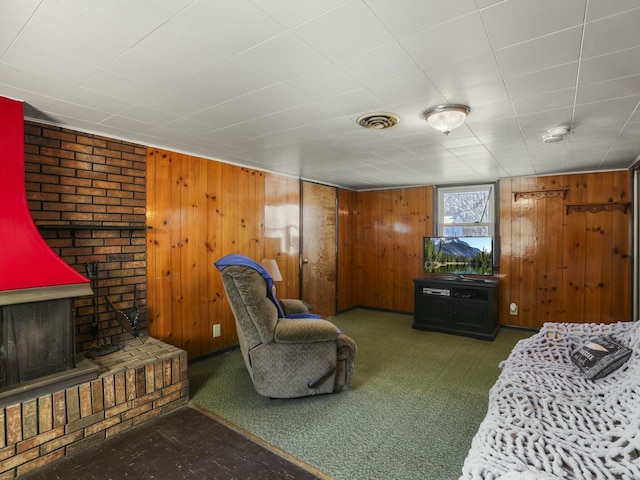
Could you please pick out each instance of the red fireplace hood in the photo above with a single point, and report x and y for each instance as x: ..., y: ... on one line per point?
x: 29, y: 269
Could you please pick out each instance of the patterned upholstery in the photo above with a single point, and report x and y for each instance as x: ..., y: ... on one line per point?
x: 547, y: 420
x: 285, y: 357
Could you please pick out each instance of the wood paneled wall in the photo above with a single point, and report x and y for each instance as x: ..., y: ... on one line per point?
x: 565, y: 267
x: 556, y: 266
x: 380, y: 246
x: 199, y: 211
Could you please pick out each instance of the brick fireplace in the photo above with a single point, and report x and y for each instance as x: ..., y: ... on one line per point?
x: 135, y: 384
x: 86, y: 195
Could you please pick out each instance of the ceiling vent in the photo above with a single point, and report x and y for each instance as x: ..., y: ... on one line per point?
x: 378, y: 120
x: 555, y: 135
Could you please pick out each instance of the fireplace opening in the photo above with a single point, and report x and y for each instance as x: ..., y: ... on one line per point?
x: 35, y: 340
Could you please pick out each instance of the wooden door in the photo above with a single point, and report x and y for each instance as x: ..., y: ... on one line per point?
x: 319, y: 235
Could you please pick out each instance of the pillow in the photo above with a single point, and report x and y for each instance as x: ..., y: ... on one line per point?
x: 600, y: 356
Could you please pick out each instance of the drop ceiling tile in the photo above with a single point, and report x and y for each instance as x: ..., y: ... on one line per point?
x: 489, y: 172
x: 489, y: 113
x: 620, y: 159
x: 619, y: 87
x: 226, y: 80
x: 520, y: 166
x: 234, y: 26
x: 399, y: 155
x: 168, y: 134
x: 15, y: 16
x: 506, y: 154
x: 171, y: 104
x: 588, y: 157
x: 144, y: 114
x: 69, y: 122
x: 250, y: 129
x: 352, y: 103
x: 38, y: 84
x: 293, y: 12
x: 545, y: 52
x: 465, y: 73
x: 543, y: 152
x: 327, y: 81
x: 470, y: 152
x: 428, y: 50
x: 274, y: 98
x: 336, y: 126
x: 310, y: 113
x: 284, y: 120
x: 627, y: 143
x: 284, y: 56
x: 118, y: 87
x: 122, y: 19
x: 545, y: 101
x: 94, y: 100
x: 610, y: 66
x: 187, y: 51
x: 68, y: 37
x: 505, y: 131
x: 487, y: 3
x: 492, y: 92
x: 414, y: 87
x: 189, y: 127
x: 631, y: 129
x: 344, y: 31
x: 540, y: 122
x: 379, y: 64
x: 615, y: 110
x: 79, y: 112
x: 543, y: 81
x: 598, y: 10
x: 611, y: 34
x: 46, y: 63
x: 584, y: 163
x: 125, y: 124
x: 141, y: 68
x: 509, y: 23
x: 592, y: 135
x: 459, y: 144
x: 416, y: 15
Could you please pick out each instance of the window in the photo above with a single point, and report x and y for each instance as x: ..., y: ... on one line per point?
x: 466, y: 211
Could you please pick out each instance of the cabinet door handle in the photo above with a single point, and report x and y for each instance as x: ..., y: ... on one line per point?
x: 305, y: 261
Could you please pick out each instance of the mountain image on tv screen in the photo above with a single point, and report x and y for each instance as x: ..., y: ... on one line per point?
x: 458, y: 255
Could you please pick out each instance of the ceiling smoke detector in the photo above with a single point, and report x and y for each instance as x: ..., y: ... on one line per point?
x: 378, y: 120
x: 555, y: 135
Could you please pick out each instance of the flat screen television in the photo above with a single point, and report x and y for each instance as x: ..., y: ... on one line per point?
x: 458, y: 255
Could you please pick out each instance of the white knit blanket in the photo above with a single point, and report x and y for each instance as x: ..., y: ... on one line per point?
x: 547, y: 421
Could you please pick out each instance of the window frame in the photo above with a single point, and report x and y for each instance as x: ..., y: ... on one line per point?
x: 492, y: 224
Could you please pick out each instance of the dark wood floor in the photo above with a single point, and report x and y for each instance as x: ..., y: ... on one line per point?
x: 184, y: 444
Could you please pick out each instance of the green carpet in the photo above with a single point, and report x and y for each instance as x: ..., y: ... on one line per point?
x: 416, y: 402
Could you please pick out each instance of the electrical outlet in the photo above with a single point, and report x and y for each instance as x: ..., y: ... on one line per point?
x: 216, y: 330
x: 513, y: 309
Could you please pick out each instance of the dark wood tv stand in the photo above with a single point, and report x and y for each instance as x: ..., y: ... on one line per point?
x: 460, y: 305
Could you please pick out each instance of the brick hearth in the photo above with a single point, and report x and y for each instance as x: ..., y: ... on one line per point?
x: 135, y: 384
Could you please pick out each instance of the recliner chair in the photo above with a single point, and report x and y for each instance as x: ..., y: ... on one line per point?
x: 285, y: 357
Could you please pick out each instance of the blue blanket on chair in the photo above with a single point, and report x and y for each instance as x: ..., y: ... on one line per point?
x: 235, y: 259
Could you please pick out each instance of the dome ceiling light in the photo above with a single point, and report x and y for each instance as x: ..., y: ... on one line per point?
x: 555, y: 135
x: 445, y: 118
x: 378, y: 120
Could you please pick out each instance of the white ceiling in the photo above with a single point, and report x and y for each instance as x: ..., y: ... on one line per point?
x: 278, y: 84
